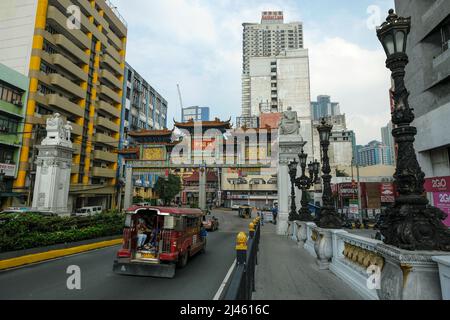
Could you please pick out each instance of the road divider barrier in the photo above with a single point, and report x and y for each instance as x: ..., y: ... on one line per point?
x: 54, y: 254
x: 242, y: 281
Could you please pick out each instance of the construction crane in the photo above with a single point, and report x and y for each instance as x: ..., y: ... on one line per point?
x: 181, y: 101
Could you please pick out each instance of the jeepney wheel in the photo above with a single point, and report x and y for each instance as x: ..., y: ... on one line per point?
x: 182, y: 261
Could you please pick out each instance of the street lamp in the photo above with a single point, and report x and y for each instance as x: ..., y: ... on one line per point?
x: 316, y: 169
x: 304, y: 183
x: 329, y: 218
x: 293, y: 215
x: 411, y: 223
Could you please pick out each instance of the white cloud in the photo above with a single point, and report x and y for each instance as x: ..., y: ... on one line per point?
x: 198, y: 44
x: 355, y: 77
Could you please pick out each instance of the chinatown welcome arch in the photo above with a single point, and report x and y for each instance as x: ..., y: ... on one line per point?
x: 204, y: 146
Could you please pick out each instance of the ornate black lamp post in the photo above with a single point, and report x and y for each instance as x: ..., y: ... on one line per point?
x: 329, y: 218
x: 411, y: 223
x: 304, y: 183
x: 293, y: 215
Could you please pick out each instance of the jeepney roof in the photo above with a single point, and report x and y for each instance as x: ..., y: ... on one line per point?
x: 168, y: 210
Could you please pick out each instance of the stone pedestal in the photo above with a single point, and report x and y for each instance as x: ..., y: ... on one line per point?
x: 289, y: 148
x: 323, y: 246
x: 444, y: 274
x: 54, y: 165
x: 409, y: 275
x: 309, y: 243
x: 302, y: 233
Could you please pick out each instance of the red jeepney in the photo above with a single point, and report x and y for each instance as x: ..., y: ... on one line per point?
x: 172, y: 236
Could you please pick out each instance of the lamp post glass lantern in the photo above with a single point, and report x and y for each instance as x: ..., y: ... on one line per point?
x: 411, y: 223
x: 293, y: 215
x: 329, y: 218
x: 304, y: 183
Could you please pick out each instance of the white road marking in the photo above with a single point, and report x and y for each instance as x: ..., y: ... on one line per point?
x: 225, y: 281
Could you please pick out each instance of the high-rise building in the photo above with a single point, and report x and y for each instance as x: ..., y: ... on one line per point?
x: 13, y: 98
x: 374, y: 153
x: 195, y: 113
x: 388, y: 140
x: 323, y: 107
x: 283, y: 81
x: 74, y: 54
x: 429, y: 57
x: 144, y: 108
x: 266, y: 39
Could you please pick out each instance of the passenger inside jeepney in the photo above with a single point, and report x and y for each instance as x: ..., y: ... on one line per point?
x: 143, y: 231
x: 148, y: 232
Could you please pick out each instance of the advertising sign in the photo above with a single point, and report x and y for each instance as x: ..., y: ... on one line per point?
x: 387, y: 192
x: 442, y: 201
x: 437, y: 184
x: 354, y: 207
x: 347, y: 190
x: 8, y: 169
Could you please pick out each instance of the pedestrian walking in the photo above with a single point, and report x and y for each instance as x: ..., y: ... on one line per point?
x: 275, y: 214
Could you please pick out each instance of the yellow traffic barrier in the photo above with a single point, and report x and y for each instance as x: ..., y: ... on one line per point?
x: 241, y: 241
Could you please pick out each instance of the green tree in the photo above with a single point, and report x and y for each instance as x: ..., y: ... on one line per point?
x: 168, y: 188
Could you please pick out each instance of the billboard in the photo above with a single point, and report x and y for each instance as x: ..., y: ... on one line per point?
x: 442, y: 201
x: 387, y: 193
x: 437, y: 184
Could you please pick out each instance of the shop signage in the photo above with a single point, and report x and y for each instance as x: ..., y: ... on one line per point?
x: 8, y: 169
x: 347, y: 190
x: 437, y: 184
x: 442, y: 201
x: 387, y: 193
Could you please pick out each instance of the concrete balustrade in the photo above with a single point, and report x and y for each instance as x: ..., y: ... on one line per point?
x: 310, y: 238
x: 444, y: 275
x: 375, y: 270
x: 352, y: 256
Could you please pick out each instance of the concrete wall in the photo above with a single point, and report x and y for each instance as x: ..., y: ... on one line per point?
x: 428, y: 80
x: 17, y: 19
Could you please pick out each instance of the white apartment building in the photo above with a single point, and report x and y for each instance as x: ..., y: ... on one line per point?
x: 279, y: 82
x: 266, y: 39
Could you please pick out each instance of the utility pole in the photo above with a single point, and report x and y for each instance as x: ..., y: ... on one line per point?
x: 359, y: 194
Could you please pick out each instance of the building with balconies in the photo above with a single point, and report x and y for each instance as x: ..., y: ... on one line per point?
x: 13, y: 97
x: 76, y: 63
x: 428, y: 81
x: 144, y: 109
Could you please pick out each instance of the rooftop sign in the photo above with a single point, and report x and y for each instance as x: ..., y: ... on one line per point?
x: 272, y: 16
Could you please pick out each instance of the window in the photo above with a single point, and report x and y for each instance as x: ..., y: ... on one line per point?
x: 445, y: 33
x: 8, y: 125
x: 10, y: 94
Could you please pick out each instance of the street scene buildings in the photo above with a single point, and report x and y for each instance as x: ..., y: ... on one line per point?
x: 106, y: 162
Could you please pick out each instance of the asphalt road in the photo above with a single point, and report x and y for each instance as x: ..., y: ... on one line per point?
x: 199, y: 280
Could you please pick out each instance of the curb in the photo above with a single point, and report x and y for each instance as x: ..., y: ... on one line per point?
x: 49, y: 255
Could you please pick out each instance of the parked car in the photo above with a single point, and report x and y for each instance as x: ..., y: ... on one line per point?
x: 235, y: 207
x: 211, y: 223
x: 88, y: 211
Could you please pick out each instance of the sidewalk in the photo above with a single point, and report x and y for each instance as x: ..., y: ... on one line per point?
x: 287, y: 272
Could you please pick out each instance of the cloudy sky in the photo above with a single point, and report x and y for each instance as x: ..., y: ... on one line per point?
x: 198, y: 44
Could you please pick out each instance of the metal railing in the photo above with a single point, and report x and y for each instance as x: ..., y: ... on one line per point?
x: 242, y: 282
